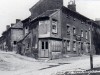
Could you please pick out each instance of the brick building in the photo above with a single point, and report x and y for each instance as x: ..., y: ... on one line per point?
x: 54, y: 30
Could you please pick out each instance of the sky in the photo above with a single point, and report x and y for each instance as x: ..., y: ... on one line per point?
x: 10, y: 10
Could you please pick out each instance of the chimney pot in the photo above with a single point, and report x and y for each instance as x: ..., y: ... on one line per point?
x: 12, y: 24
x: 18, y: 20
x: 7, y: 27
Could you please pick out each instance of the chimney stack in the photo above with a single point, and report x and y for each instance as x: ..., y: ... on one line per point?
x: 97, y: 20
x: 12, y: 24
x: 18, y: 20
x: 7, y: 27
x: 72, y: 5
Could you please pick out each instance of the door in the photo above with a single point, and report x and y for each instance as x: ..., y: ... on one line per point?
x: 44, y: 49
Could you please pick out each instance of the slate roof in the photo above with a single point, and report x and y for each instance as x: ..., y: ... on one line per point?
x: 45, y: 14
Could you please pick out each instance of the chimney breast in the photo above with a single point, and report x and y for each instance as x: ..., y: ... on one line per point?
x: 72, y: 5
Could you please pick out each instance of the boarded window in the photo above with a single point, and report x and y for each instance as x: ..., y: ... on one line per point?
x: 56, y: 46
x: 43, y: 27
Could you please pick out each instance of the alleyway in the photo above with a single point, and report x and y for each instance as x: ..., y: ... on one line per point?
x: 14, y: 64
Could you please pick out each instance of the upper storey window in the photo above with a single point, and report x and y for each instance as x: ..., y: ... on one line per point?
x: 68, y: 30
x: 74, y: 31
x: 81, y: 33
x: 54, y: 26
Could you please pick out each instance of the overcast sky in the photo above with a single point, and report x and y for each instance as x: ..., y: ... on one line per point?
x: 10, y: 10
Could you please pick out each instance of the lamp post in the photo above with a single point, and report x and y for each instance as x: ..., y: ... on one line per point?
x: 90, y: 38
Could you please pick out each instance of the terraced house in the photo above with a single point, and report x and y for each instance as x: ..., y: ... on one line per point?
x: 53, y: 30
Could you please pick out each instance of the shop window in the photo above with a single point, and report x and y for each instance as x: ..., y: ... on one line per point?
x: 54, y: 26
x: 15, y: 42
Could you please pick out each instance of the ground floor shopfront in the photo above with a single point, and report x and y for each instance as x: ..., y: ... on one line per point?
x: 55, y: 48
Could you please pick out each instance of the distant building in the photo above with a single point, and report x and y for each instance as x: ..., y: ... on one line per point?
x: 13, y: 34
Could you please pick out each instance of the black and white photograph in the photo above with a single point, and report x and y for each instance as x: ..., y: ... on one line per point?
x: 49, y: 37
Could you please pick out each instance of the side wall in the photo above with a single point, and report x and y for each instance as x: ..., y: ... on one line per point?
x: 74, y: 26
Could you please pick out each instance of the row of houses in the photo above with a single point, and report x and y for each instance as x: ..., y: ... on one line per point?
x: 52, y: 31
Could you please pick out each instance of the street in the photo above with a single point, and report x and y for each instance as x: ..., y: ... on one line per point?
x: 15, y: 64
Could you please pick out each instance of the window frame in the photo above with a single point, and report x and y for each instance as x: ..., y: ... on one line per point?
x: 54, y: 22
x: 68, y: 29
x: 44, y: 45
x: 68, y: 45
x: 82, y: 33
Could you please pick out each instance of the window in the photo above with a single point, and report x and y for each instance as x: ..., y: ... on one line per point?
x: 82, y: 46
x: 86, y: 35
x: 44, y: 45
x: 15, y: 42
x: 68, y: 45
x: 74, y: 46
x: 54, y: 26
x: 68, y: 30
x: 81, y: 33
x: 74, y: 31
